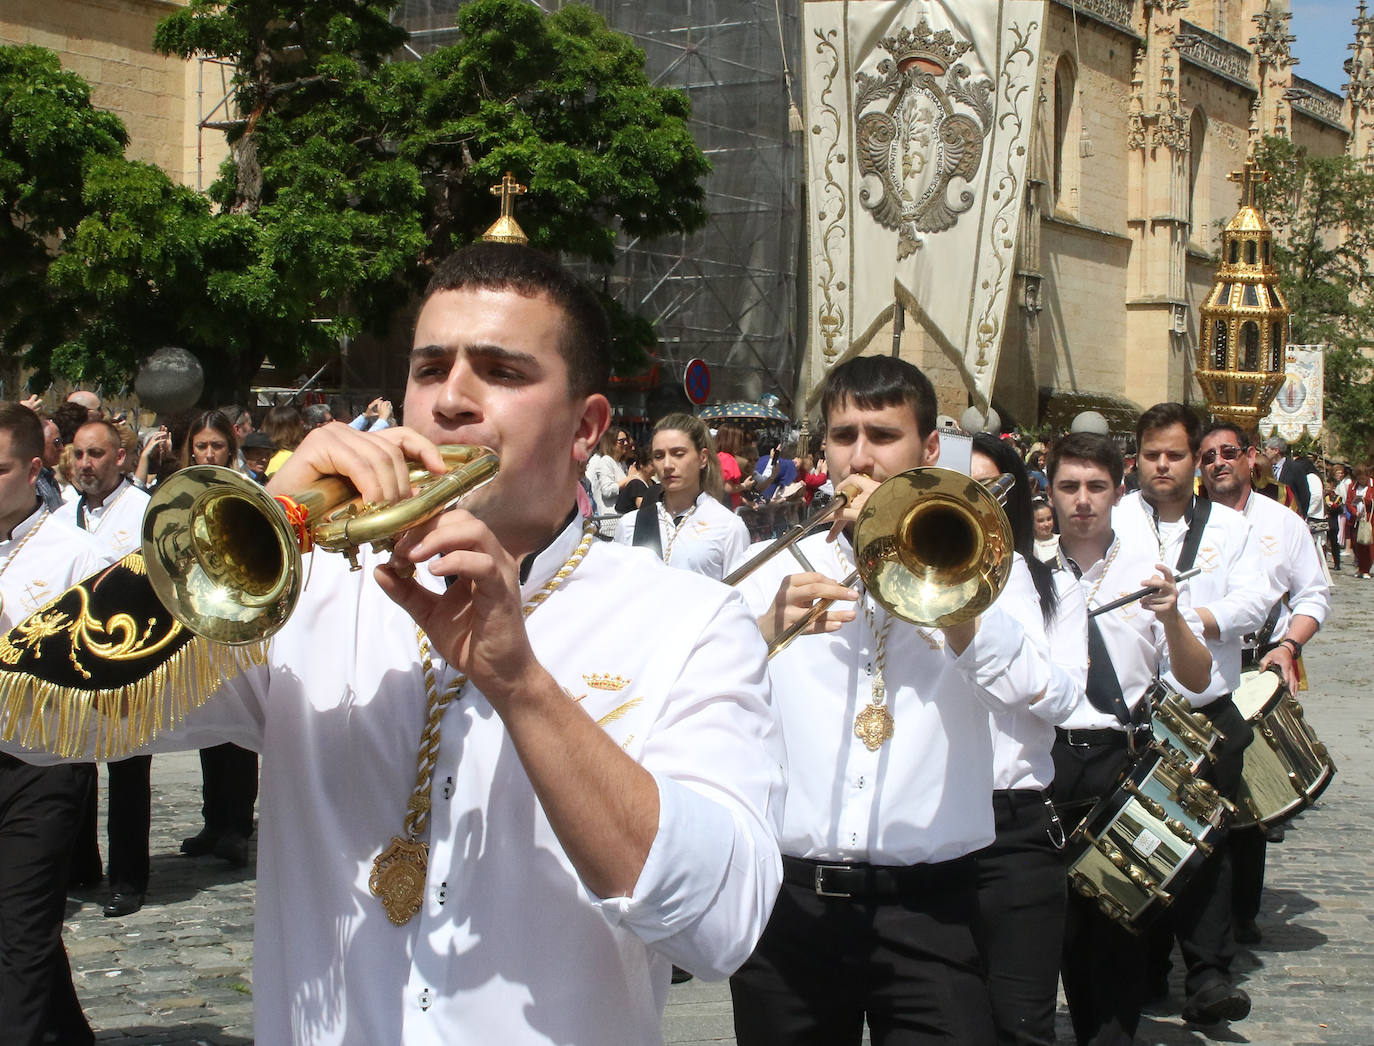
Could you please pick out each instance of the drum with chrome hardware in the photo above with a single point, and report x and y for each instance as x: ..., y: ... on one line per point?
x: 1286, y: 767
x: 1138, y: 846
x: 1188, y: 736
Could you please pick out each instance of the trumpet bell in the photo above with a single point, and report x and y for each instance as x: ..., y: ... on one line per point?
x: 933, y: 547
x: 220, y: 555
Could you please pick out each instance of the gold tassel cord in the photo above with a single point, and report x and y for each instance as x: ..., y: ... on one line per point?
x: 74, y: 722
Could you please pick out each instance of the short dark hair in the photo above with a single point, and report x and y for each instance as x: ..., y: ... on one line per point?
x: 586, y: 343
x: 68, y: 418
x: 1242, y: 437
x: 112, y: 432
x: 1165, y: 415
x: 25, y: 429
x: 875, y: 382
x: 1091, y: 447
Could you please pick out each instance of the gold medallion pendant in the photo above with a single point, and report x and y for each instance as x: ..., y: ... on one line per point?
x: 398, y: 878
x: 873, y: 726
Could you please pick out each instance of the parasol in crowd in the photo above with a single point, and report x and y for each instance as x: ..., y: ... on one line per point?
x: 742, y: 412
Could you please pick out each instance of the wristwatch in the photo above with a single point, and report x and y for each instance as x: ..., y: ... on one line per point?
x: 1290, y: 641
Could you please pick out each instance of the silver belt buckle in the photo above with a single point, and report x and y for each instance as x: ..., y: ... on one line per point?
x: 821, y: 891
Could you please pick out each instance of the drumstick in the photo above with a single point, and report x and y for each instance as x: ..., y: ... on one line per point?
x: 1147, y: 590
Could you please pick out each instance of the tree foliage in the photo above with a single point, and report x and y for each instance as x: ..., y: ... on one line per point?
x: 349, y: 174
x: 1322, y: 212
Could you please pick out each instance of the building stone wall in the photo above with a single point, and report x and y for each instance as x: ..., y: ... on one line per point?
x: 110, y: 44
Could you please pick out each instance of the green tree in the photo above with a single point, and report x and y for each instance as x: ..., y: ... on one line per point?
x: 355, y: 173
x: 1322, y: 212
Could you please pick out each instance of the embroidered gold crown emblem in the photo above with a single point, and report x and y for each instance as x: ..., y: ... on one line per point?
x: 600, y: 681
x: 933, y: 52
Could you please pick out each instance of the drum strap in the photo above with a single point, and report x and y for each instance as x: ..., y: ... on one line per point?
x: 1192, y: 541
x: 1104, y: 689
x: 646, y: 527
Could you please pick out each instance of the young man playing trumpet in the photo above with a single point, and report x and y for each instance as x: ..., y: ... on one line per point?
x: 891, y: 765
x: 481, y: 820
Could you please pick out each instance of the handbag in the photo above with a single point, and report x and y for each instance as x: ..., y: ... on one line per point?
x: 1364, y: 533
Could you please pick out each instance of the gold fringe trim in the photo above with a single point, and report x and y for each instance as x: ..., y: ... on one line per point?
x: 110, y: 724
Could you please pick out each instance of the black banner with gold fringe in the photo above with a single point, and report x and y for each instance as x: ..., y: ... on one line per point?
x: 103, y: 668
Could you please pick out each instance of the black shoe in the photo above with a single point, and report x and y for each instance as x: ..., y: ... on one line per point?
x: 1218, y: 1001
x: 123, y: 904
x: 680, y: 976
x: 200, y: 844
x: 233, y: 848
x: 1248, y: 933
x: 1274, y: 833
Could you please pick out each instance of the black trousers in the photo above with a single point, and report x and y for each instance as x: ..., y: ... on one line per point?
x: 131, y: 800
x: 40, y: 813
x: 1103, y: 963
x: 1200, y: 917
x: 1248, y: 850
x: 825, y: 963
x: 1020, y: 927
x: 229, y: 776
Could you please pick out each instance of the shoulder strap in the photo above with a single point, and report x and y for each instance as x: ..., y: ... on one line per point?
x: 1103, y: 687
x: 646, y: 527
x: 1202, y: 508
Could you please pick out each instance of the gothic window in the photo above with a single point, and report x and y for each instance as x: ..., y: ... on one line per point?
x: 1276, y: 347
x: 1251, y: 252
x: 1197, y: 144
x: 1233, y: 255
x: 1066, y: 118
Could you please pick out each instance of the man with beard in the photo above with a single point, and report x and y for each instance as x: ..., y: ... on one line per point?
x: 110, y: 508
x: 1229, y: 598
x: 1293, y: 564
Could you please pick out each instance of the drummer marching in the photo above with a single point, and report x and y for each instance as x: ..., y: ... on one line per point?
x: 1103, y: 965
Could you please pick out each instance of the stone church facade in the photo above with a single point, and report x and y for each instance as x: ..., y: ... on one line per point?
x: 1145, y: 107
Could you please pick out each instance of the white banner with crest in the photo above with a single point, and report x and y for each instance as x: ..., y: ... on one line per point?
x: 918, y: 123
x: 1297, y: 409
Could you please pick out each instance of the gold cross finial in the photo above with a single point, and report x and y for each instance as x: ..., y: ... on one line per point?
x: 506, y: 229
x: 1250, y: 178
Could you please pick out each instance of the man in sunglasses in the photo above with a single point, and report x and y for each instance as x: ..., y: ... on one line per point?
x: 1293, y: 564
x: 1230, y: 598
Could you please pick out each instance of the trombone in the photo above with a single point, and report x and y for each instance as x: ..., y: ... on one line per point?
x: 224, y: 556
x: 931, y: 545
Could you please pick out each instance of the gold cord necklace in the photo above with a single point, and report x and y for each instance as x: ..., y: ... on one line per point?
x: 43, y: 518
x: 874, y: 724
x: 399, y: 871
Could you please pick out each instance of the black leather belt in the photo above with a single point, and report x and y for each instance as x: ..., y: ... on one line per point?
x: 876, y: 882
x: 1104, y: 737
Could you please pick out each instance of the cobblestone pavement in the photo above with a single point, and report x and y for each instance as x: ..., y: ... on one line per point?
x: 180, y: 971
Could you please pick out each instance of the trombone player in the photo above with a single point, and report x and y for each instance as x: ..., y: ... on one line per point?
x: 482, y: 819
x: 890, y: 789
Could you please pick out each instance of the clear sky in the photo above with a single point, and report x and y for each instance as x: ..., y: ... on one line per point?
x: 1323, y: 29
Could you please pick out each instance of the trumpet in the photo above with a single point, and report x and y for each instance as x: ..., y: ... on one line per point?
x: 224, y: 556
x: 931, y: 545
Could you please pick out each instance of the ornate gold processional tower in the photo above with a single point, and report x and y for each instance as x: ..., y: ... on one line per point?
x: 1244, y: 322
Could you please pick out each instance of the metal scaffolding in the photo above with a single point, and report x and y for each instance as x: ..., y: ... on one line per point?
x: 728, y: 293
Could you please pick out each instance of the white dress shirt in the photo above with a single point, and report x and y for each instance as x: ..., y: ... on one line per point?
x: 116, y: 524
x: 54, y: 557
x: 604, y: 476
x: 1231, y: 586
x: 509, y: 946
x: 709, y: 539
x: 925, y: 795
x: 1290, y: 559
x: 1133, y: 635
x: 1022, y: 737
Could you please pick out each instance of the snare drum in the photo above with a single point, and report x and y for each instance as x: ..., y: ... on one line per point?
x: 1286, y: 767
x: 1141, y: 844
x: 1181, y: 730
